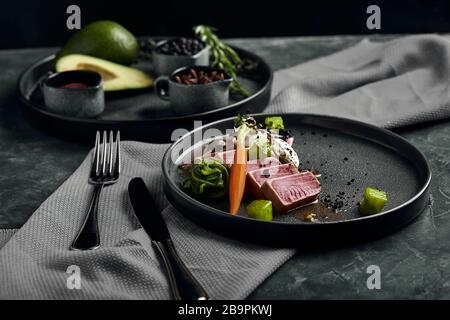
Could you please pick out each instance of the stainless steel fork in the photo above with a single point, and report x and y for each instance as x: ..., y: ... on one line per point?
x: 105, y: 171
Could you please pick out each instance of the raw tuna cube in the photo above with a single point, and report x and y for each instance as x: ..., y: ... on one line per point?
x: 256, y: 178
x: 291, y: 192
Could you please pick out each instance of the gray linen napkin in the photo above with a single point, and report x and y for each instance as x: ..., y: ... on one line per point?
x: 33, y: 263
x: 5, y: 235
x: 389, y: 84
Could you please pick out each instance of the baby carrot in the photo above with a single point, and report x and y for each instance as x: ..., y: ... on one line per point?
x: 238, y: 170
x: 237, y: 178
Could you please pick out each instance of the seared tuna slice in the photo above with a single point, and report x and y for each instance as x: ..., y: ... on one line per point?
x: 291, y: 192
x: 227, y: 157
x: 261, y: 164
x: 256, y: 178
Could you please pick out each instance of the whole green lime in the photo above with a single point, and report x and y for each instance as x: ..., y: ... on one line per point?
x: 105, y: 40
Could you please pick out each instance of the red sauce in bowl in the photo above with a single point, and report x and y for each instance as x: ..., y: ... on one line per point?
x: 75, y: 85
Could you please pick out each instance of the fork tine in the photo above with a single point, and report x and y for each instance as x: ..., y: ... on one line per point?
x: 117, y: 160
x: 104, y: 152
x: 96, y: 156
x: 111, y: 153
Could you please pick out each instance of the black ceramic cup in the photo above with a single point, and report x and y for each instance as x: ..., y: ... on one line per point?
x: 189, y: 99
x: 76, y: 93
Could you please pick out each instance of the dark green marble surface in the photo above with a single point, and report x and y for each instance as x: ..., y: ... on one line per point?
x: 414, y: 262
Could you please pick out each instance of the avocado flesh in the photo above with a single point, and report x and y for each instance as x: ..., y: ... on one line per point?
x: 105, y: 40
x: 115, y: 76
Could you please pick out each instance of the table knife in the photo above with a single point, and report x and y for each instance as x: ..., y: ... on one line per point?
x: 183, y: 284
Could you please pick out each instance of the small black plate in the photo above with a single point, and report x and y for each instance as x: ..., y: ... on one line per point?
x: 140, y: 115
x: 350, y: 156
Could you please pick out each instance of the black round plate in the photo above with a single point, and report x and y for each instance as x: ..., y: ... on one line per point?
x: 351, y: 156
x: 140, y: 115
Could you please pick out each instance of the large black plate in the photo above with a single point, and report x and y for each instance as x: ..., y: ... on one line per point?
x: 140, y: 115
x: 342, y: 150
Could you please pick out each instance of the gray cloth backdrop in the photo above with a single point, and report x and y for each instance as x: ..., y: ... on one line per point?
x: 391, y: 84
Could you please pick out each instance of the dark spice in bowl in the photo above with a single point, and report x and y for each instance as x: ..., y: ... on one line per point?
x: 182, y: 46
x: 193, y: 76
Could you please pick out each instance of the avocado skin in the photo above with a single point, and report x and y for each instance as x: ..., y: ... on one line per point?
x: 107, y: 40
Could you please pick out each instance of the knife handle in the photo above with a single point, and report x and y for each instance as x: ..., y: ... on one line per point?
x: 183, y: 284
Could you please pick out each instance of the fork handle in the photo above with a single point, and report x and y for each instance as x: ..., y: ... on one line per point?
x: 88, y: 237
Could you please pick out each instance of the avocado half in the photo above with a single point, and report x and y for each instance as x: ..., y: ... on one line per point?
x: 105, y: 40
x: 115, y: 76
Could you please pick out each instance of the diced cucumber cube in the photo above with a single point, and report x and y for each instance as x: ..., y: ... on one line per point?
x: 373, y: 201
x: 260, y: 210
x: 274, y: 123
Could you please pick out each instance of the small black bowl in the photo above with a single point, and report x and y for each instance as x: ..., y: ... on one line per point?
x: 165, y: 64
x: 77, y: 93
x: 191, y: 99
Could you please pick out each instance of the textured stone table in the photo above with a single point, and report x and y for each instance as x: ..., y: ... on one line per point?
x: 415, y: 262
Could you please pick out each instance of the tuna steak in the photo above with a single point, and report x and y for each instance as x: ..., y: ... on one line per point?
x: 261, y: 164
x: 256, y: 178
x: 291, y: 192
x: 227, y: 157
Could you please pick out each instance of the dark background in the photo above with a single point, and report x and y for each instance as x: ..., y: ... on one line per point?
x: 27, y: 23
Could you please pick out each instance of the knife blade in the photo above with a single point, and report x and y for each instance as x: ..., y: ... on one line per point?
x: 183, y: 284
